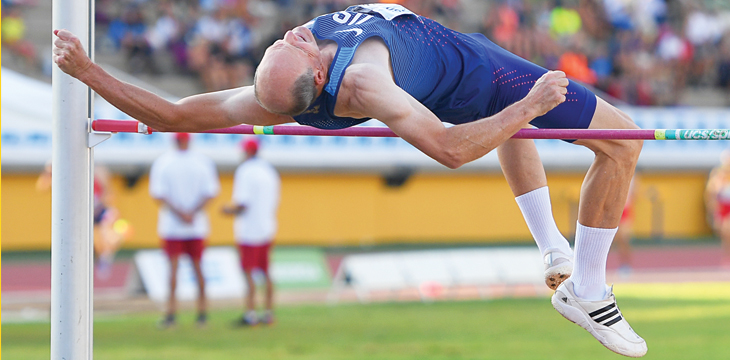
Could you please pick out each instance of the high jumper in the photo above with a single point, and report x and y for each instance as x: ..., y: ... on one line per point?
x: 383, y: 61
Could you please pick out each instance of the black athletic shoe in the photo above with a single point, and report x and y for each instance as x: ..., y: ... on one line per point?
x: 267, y: 319
x: 167, y: 322
x: 244, y: 321
x: 202, y: 320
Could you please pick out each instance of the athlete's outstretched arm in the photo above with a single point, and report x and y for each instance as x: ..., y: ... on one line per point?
x: 195, y: 113
x: 374, y: 94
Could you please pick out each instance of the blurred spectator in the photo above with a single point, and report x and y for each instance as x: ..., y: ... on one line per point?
x: 183, y: 181
x: 110, y: 230
x: 13, y: 35
x: 618, y: 13
x: 703, y: 31
x: 593, y: 19
x: 502, y: 23
x: 167, y: 34
x: 648, y: 15
x: 622, y: 241
x: 723, y: 67
x: 205, y: 50
x: 575, y: 65
x: 221, y: 50
x: 239, y: 52
x: 564, y: 21
x: 128, y: 33
x: 717, y: 201
x: 675, y: 53
x: 601, y: 64
x: 256, y: 188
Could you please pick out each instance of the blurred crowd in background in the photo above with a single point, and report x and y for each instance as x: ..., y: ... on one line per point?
x: 643, y: 52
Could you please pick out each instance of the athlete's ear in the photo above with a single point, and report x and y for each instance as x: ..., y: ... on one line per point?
x: 319, y: 76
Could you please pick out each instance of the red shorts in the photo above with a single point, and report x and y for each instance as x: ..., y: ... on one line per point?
x: 627, y: 214
x: 175, y: 247
x: 723, y: 210
x: 254, y: 256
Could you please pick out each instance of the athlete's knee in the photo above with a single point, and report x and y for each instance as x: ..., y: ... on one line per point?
x: 630, y: 150
x: 623, y: 151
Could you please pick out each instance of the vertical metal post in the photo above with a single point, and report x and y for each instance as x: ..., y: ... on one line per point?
x: 71, y: 247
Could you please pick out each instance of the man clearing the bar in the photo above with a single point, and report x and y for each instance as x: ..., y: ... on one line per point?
x: 382, y: 61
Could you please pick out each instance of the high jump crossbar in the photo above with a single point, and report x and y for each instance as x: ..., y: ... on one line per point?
x: 131, y: 126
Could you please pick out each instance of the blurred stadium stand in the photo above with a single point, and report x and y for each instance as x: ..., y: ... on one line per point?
x: 653, y: 52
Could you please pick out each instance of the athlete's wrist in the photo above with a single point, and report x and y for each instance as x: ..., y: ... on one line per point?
x: 527, y: 109
x: 88, y: 73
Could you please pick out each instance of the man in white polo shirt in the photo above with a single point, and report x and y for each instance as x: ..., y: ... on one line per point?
x: 256, y: 187
x: 183, y: 181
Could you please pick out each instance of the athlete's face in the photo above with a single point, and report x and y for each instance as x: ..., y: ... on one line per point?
x: 281, y: 66
x: 300, y: 38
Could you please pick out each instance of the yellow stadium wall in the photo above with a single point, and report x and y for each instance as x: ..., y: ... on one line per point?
x: 349, y: 209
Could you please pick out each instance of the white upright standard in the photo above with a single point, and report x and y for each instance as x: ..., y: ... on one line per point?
x: 71, y: 235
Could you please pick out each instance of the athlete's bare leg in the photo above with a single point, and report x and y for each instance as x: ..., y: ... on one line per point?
x: 725, y: 241
x: 525, y: 174
x: 172, y: 301
x: 250, y: 301
x: 603, y: 196
x: 268, y: 317
x: 202, y: 301
x: 269, y: 300
x: 606, y: 184
x: 623, y: 244
x: 585, y: 299
x: 521, y: 165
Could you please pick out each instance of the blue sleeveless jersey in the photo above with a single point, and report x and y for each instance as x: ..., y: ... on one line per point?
x: 459, y: 77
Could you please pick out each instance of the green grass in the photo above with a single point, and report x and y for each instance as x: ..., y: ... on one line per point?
x: 498, y: 329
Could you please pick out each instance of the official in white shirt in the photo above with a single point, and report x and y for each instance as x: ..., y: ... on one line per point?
x: 256, y: 191
x: 183, y: 181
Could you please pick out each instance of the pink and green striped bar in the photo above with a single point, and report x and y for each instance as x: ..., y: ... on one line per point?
x: 131, y: 126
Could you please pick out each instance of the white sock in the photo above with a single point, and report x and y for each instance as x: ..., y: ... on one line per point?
x: 589, y: 268
x: 538, y: 213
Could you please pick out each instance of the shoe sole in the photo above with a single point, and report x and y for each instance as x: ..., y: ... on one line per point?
x: 579, y: 318
x: 556, y: 275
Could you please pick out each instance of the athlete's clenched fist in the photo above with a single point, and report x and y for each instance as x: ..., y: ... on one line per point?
x: 69, y: 55
x: 549, y: 91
